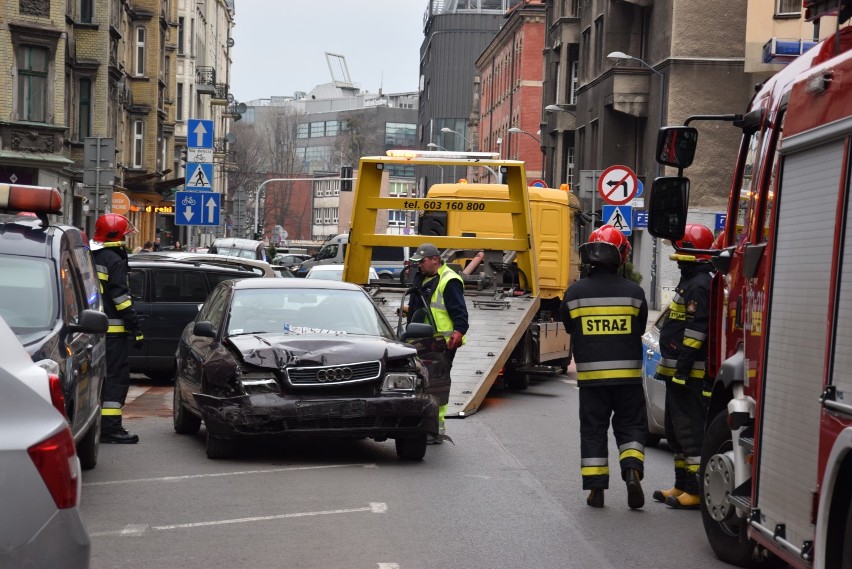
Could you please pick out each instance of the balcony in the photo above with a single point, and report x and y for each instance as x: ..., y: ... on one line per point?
x: 205, y: 80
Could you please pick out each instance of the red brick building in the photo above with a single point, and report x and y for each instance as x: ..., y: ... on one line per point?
x: 289, y: 205
x: 511, y: 74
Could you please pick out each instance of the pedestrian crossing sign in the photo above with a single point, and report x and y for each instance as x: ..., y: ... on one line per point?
x: 619, y: 216
x: 199, y: 176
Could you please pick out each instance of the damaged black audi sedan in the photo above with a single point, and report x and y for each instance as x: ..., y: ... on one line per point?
x: 306, y: 358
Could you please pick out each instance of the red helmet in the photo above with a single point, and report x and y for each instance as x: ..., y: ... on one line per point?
x: 112, y: 227
x: 695, y: 236
x: 607, y: 245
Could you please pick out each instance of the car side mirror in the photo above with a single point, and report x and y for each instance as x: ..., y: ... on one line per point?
x: 91, y: 322
x: 417, y: 330
x: 676, y: 146
x: 205, y: 329
x: 667, y: 207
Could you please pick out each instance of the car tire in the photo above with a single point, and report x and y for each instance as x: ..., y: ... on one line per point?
x: 185, y: 423
x: 219, y: 448
x: 515, y: 380
x: 87, y: 448
x: 413, y: 448
x: 728, y: 539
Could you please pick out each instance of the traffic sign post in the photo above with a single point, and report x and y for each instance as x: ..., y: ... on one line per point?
x: 619, y: 216
x: 197, y: 208
x: 618, y: 185
x: 199, y: 133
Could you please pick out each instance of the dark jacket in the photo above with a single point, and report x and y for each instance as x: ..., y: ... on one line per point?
x: 453, y: 299
x: 606, y: 317
x: 111, y: 264
x: 683, y: 336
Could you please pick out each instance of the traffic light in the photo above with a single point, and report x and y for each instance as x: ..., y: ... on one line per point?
x: 346, y: 182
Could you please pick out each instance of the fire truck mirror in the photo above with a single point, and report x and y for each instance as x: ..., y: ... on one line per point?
x: 667, y: 208
x: 676, y: 146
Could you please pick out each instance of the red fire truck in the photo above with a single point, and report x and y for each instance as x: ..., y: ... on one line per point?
x: 776, y: 465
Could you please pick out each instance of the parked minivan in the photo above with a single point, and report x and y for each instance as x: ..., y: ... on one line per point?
x: 234, y: 247
x: 388, y: 261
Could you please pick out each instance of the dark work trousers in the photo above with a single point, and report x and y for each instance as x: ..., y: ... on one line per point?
x: 686, y: 409
x: 625, y: 406
x: 116, y: 384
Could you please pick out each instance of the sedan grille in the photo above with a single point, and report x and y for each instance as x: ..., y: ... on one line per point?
x: 334, y: 375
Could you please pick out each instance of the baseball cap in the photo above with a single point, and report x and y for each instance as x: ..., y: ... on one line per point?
x: 425, y: 250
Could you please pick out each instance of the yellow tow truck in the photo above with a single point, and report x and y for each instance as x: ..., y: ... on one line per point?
x: 527, y: 236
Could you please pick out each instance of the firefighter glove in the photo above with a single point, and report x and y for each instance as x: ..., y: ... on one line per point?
x: 455, y: 340
x: 138, y: 341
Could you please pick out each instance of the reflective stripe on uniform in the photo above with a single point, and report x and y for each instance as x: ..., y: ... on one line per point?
x: 670, y: 371
x: 111, y: 409
x: 116, y: 325
x: 694, y: 344
x: 631, y: 450
x: 605, y: 311
x: 123, y: 305
x: 594, y: 466
x: 616, y: 369
x: 604, y: 301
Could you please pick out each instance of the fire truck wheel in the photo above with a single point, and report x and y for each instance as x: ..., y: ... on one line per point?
x: 729, y: 538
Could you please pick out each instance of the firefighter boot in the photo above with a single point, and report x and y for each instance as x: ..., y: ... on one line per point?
x: 684, y: 501
x: 662, y: 495
x: 596, y: 498
x: 635, y: 496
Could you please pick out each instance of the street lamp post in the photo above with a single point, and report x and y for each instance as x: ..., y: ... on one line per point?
x: 433, y: 146
x: 621, y: 56
x: 516, y: 130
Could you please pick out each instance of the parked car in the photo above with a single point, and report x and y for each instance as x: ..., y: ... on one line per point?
x: 655, y: 390
x: 334, y: 273
x: 236, y: 247
x: 290, y: 260
x: 40, y: 523
x: 167, y: 295
x: 387, y: 261
x: 306, y: 358
x: 49, y: 297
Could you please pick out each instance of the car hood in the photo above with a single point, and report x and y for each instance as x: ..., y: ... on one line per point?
x: 280, y: 350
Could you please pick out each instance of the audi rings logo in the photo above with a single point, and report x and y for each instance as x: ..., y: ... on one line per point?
x: 334, y: 374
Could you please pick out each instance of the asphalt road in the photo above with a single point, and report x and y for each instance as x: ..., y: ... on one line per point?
x: 507, y: 494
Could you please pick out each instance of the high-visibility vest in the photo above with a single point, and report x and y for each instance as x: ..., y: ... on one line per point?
x: 437, y: 306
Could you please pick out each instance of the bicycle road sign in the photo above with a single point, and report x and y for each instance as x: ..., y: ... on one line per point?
x: 197, y: 208
x: 618, y: 185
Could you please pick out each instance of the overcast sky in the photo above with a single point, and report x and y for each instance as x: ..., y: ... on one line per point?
x: 280, y: 45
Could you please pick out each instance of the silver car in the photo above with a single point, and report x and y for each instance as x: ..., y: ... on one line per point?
x: 40, y: 524
x: 655, y: 390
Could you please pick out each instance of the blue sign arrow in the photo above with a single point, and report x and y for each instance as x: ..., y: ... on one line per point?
x: 197, y: 208
x: 721, y: 218
x: 199, y: 176
x: 199, y: 133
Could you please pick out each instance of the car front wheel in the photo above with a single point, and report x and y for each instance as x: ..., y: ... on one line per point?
x: 185, y: 423
x: 411, y: 448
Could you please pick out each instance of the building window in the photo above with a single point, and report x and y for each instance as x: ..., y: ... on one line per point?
x: 140, y: 52
x: 400, y: 135
x: 317, y: 129
x: 332, y: 128
x: 87, y: 11
x: 569, y: 167
x: 585, y: 58
x: 788, y: 7
x: 192, y: 37
x: 181, y: 34
x: 32, y: 83
x: 179, y: 102
x: 302, y: 131
x: 334, y: 215
x: 138, y: 143
x: 317, y: 216
x: 599, y: 41
x: 84, y: 114
x: 397, y: 218
x: 574, y: 82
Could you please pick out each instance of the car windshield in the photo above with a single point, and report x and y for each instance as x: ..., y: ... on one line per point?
x: 300, y: 311
x: 27, y: 296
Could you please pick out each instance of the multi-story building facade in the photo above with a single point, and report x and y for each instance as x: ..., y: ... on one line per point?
x: 510, y: 89
x: 101, y: 69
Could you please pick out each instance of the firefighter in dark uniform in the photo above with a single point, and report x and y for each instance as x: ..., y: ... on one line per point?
x: 606, y: 316
x: 683, y: 359
x: 110, y: 258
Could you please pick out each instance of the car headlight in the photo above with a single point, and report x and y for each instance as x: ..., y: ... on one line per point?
x: 400, y: 381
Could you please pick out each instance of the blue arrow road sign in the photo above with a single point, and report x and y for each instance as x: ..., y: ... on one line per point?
x: 199, y: 133
x: 720, y: 221
x: 199, y: 177
x: 619, y: 216
x: 197, y: 208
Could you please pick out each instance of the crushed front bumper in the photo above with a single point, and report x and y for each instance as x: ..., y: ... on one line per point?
x: 389, y: 416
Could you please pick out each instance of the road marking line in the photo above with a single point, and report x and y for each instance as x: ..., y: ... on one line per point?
x: 388, y: 565
x: 137, y: 530
x: 221, y: 474
x: 135, y: 392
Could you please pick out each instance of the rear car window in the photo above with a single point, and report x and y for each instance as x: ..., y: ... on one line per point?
x: 179, y: 286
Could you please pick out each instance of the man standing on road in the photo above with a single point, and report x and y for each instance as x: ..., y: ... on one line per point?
x: 606, y: 317
x: 111, y: 263
x: 443, y: 289
x: 683, y: 358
